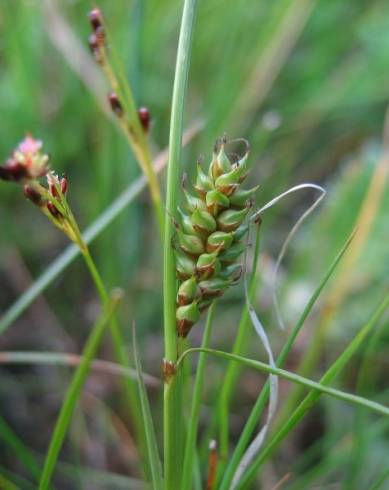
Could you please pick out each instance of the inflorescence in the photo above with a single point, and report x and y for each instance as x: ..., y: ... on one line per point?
x: 209, y: 234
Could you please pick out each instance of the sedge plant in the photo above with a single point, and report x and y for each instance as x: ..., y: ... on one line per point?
x: 204, y: 230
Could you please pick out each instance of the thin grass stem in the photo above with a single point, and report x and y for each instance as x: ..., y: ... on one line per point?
x: 171, y: 396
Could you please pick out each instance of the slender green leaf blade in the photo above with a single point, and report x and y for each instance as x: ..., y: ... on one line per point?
x: 312, y: 397
x: 73, y: 393
x: 259, y: 406
x: 151, y: 440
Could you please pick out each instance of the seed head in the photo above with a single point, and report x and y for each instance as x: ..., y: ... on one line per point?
x: 210, y: 233
x: 27, y: 162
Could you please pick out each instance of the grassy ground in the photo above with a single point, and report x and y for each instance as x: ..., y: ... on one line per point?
x: 306, y: 82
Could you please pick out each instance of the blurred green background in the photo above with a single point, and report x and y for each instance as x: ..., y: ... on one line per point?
x: 307, y: 83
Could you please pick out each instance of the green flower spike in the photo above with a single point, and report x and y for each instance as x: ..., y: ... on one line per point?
x: 210, y: 233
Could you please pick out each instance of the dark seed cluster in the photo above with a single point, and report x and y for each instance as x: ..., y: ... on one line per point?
x: 210, y: 233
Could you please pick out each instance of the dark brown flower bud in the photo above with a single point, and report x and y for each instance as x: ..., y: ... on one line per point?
x: 33, y: 195
x: 93, y: 43
x: 115, y: 104
x: 94, y: 46
x: 144, y: 118
x: 64, y: 185
x: 13, y: 171
x: 52, y: 209
x: 95, y: 18
x: 54, y: 182
x: 100, y: 35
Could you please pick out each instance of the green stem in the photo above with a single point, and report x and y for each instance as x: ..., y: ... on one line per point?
x: 255, y: 415
x: 171, y: 397
x: 190, y: 443
x: 130, y: 386
x: 132, y: 128
x: 73, y: 394
x: 233, y: 369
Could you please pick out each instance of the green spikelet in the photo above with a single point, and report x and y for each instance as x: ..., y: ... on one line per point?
x: 210, y: 234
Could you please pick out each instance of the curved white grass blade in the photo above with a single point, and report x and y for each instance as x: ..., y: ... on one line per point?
x: 255, y: 446
x: 290, y: 235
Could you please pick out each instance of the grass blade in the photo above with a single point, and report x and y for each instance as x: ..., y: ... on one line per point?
x: 312, y: 397
x: 73, y: 393
x: 258, y: 440
x: 6, y: 484
x: 73, y: 360
x: 259, y: 406
x: 151, y: 441
x: 233, y: 369
x: 318, y: 387
x: 380, y: 481
x: 21, y: 451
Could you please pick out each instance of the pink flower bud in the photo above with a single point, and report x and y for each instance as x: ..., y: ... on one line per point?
x: 95, y: 18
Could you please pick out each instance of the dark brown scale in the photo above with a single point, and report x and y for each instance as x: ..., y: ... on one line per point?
x: 93, y: 43
x: 96, y: 19
x: 64, y: 185
x: 115, y: 104
x: 33, y: 195
x: 168, y: 370
x: 183, y: 328
x: 94, y: 47
x: 53, y: 210
x: 13, y: 171
x: 100, y: 35
x: 144, y: 118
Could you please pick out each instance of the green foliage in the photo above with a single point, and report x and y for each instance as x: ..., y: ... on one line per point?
x: 306, y: 82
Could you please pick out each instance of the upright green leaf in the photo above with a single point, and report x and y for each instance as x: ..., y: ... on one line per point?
x: 312, y: 397
x: 73, y: 393
x: 151, y: 440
